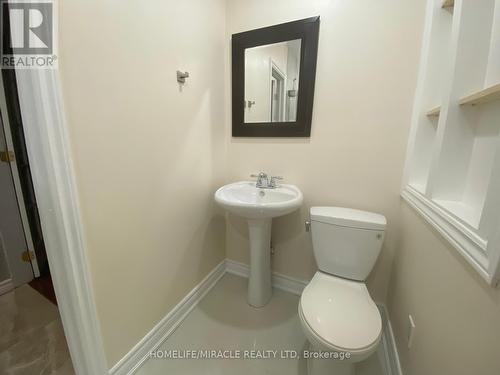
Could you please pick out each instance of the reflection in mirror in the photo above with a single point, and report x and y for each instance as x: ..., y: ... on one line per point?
x: 271, y: 82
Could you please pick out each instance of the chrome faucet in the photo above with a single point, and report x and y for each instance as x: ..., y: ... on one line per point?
x: 264, y: 182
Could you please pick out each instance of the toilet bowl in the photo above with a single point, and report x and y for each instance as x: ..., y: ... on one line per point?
x: 338, y: 316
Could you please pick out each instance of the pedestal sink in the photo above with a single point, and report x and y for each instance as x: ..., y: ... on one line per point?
x: 259, y: 206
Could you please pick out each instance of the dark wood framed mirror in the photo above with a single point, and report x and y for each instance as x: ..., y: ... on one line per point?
x: 273, y: 76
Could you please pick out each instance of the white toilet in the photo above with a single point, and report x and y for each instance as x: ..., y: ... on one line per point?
x: 337, y: 314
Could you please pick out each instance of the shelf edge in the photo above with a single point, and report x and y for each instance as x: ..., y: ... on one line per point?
x: 483, y: 96
x: 448, y: 4
x: 434, y: 111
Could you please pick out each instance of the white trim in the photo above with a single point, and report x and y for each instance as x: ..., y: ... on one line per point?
x: 237, y: 268
x: 417, y: 100
x: 469, y: 244
x: 283, y: 282
x: 6, y: 286
x: 51, y: 166
x: 388, y: 347
x: 136, y: 357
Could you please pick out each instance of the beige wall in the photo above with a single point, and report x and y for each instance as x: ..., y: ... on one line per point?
x: 457, y: 315
x: 147, y: 154
x: 365, y: 81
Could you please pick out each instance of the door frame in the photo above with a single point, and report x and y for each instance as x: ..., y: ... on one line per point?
x: 48, y: 146
x: 5, y: 123
x: 275, y: 67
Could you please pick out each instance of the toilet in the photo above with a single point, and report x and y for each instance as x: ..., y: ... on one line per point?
x: 337, y: 314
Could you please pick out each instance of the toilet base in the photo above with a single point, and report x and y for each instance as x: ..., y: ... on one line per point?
x: 327, y: 366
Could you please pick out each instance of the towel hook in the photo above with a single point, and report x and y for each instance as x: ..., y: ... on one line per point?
x: 181, y: 76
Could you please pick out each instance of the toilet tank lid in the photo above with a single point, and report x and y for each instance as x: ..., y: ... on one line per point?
x: 348, y: 217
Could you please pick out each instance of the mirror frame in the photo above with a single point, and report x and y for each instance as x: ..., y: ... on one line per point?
x: 307, y: 30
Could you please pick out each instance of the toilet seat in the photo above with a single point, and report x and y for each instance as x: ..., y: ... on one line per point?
x: 340, y: 315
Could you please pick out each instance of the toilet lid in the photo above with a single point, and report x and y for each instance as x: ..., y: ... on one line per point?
x: 341, y: 312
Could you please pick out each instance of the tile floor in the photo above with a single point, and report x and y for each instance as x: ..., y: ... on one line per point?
x: 32, y: 339
x: 224, y: 320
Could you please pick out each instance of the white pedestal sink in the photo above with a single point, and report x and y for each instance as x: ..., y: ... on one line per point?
x: 259, y: 206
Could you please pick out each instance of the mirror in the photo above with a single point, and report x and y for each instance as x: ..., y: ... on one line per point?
x: 271, y: 82
x: 273, y: 76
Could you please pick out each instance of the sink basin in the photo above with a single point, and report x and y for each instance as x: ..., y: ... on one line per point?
x: 250, y: 202
x: 258, y: 206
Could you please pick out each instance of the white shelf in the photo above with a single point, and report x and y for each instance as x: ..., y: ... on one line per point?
x: 448, y: 4
x: 486, y: 95
x: 434, y: 112
x: 452, y: 171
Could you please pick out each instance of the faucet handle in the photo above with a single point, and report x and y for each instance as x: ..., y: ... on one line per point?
x: 273, y: 182
x: 260, y: 175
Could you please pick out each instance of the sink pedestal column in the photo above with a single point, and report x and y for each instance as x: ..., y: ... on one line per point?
x: 259, y: 282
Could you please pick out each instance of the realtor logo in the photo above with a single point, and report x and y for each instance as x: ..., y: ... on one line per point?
x: 28, y: 34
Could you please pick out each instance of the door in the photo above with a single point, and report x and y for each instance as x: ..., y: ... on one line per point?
x: 20, y: 167
x: 14, y: 257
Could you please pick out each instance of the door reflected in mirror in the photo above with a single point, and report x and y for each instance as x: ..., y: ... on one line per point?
x: 271, y: 82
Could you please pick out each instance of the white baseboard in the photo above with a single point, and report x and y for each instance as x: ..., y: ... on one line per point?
x: 6, y: 286
x: 286, y: 283
x: 136, y: 357
x: 140, y: 352
x: 388, y: 347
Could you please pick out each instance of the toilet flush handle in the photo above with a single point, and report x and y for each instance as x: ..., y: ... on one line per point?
x: 308, y: 225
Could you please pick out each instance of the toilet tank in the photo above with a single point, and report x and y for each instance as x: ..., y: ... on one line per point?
x: 346, y: 242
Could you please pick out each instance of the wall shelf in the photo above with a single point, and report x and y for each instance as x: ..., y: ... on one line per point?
x: 448, y: 4
x: 452, y: 172
x: 486, y: 95
x: 434, y: 112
